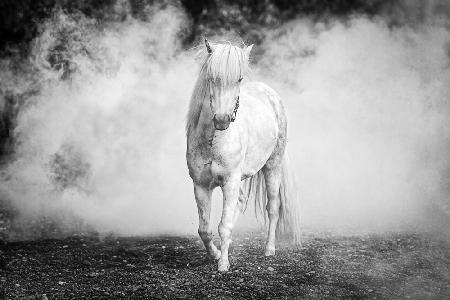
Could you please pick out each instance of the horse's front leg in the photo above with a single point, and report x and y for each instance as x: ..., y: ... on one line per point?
x: 203, y: 198
x: 230, y: 198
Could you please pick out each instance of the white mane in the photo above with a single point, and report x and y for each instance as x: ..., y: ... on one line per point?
x: 224, y: 66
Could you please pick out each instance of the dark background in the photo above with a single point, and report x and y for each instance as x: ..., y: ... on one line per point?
x: 19, y: 20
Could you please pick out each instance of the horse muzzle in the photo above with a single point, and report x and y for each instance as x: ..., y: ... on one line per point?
x: 221, y: 121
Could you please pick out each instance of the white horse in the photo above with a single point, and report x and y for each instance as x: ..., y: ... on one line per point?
x: 236, y: 139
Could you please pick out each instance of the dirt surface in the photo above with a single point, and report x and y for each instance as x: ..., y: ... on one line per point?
x: 382, y: 267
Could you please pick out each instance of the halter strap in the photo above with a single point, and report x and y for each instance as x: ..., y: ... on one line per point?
x: 235, y: 109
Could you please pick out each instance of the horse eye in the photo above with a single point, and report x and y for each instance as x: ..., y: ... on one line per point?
x: 240, y: 79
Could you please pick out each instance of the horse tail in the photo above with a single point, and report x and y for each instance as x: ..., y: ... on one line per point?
x: 289, y: 221
x: 254, y: 189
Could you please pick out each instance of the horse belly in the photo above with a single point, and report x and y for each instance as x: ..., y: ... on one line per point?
x: 262, y: 119
x: 259, y: 151
x: 256, y: 158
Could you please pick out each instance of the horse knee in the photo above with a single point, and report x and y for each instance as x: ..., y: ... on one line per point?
x: 273, y: 208
x: 205, y: 235
x: 224, y: 231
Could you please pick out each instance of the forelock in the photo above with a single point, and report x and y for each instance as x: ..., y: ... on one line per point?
x: 226, y: 64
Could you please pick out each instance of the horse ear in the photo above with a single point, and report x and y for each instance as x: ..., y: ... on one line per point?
x: 208, y: 47
x: 248, y: 49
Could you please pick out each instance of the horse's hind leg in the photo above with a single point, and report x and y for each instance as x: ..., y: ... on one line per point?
x: 203, y: 198
x: 273, y: 181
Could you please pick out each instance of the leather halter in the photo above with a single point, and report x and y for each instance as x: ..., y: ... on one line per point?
x: 236, y: 106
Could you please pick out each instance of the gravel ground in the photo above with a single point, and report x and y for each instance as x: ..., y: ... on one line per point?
x: 381, y: 267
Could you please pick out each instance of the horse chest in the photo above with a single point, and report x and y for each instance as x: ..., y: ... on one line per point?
x: 211, y: 162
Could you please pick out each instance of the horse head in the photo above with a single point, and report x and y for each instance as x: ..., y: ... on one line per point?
x: 225, y: 67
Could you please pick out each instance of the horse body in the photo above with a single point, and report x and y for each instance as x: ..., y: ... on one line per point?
x: 236, y: 135
x: 213, y: 156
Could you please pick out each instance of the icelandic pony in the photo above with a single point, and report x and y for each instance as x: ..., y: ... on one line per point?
x: 236, y: 139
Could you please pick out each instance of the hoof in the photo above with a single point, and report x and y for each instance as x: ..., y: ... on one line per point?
x: 270, y: 252
x: 223, y: 266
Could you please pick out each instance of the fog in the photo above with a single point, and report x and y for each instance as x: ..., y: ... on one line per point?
x: 368, y: 107
x: 369, y: 119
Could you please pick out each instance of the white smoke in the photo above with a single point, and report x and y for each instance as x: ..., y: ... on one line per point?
x: 108, y: 145
x: 369, y: 121
x: 368, y: 133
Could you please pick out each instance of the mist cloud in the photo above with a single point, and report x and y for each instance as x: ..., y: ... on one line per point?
x: 104, y: 142
x: 369, y: 120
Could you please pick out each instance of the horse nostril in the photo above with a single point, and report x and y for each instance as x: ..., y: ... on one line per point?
x: 221, y: 121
